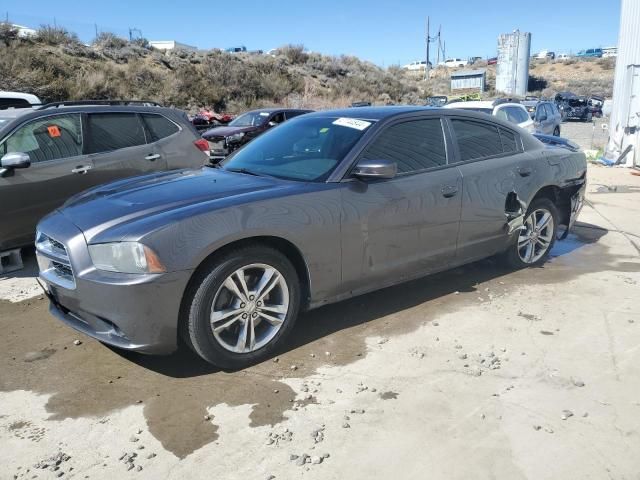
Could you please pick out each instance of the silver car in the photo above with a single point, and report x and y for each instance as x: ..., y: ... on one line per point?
x: 319, y: 209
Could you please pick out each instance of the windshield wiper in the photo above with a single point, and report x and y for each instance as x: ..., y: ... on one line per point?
x: 244, y: 170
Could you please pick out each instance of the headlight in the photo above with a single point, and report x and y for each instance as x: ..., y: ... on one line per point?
x: 236, y: 137
x: 125, y: 257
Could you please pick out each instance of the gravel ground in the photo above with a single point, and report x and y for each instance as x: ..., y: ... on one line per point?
x: 590, y: 136
x: 474, y: 373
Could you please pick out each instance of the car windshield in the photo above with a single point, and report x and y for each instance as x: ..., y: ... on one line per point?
x: 250, y: 119
x: 577, y: 102
x: 304, y: 149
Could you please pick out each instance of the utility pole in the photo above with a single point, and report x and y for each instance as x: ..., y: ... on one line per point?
x: 96, y: 27
x: 439, y: 46
x: 426, y: 67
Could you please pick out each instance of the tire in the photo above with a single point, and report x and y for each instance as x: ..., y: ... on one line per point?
x: 556, y: 132
x: 244, y: 310
x: 516, y: 256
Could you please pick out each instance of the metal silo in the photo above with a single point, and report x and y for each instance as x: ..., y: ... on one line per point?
x: 512, y: 71
x: 624, y: 125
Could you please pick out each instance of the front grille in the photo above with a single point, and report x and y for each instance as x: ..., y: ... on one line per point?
x: 54, y: 262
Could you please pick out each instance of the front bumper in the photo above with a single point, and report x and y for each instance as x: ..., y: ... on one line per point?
x: 133, y: 312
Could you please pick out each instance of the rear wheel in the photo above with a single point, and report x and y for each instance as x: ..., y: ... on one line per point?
x: 537, y: 237
x: 242, y: 306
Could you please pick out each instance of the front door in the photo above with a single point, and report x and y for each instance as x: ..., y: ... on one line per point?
x: 58, y: 170
x: 404, y: 226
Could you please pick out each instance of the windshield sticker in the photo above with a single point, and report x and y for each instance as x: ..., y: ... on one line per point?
x: 324, y: 130
x: 352, y: 123
x: 264, y: 114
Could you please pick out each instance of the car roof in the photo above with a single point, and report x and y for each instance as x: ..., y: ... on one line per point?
x: 59, y: 110
x: 275, y: 110
x: 472, y: 104
x: 32, y: 99
x: 370, y: 113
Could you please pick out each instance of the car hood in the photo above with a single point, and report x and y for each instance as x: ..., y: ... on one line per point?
x: 221, y: 132
x: 127, y: 202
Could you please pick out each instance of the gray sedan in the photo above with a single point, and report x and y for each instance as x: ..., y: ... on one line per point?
x: 322, y: 208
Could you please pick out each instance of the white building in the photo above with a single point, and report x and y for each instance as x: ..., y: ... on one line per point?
x: 171, y: 45
x: 610, y: 52
x: 24, y: 32
x: 624, y: 125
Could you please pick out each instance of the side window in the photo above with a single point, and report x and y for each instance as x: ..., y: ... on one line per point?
x: 278, y: 118
x: 548, y: 110
x: 509, y: 141
x: 413, y: 145
x: 49, y: 138
x: 112, y: 131
x: 13, y: 103
x: 294, y: 114
x: 158, y: 126
x: 476, y: 139
x: 502, y: 114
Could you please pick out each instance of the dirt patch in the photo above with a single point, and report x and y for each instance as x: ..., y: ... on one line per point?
x: 389, y: 395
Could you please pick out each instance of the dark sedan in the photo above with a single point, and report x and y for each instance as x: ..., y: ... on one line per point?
x: 328, y: 206
x: 227, y: 139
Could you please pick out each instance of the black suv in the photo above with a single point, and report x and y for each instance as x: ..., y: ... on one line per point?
x: 49, y: 154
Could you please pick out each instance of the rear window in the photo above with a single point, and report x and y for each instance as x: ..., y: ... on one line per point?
x: 158, y: 126
x: 509, y: 141
x: 113, y: 131
x: 13, y: 103
x: 476, y: 139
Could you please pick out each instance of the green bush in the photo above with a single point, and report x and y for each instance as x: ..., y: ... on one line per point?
x: 52, y: 35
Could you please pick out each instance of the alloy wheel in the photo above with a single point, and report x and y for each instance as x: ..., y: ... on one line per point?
x: 249, y: 308
x: 534, y: 240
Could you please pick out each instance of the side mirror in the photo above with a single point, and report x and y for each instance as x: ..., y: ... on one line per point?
x: 272, y: 124
x: 13, y: 160
x: 375, y: 169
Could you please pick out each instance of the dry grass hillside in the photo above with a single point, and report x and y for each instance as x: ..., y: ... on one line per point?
x: 55, y: 65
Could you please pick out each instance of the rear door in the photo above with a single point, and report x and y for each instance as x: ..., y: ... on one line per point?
x: 117, y: 144
x: 58, y: 170
x: 495, y: 174
x: 400, y: 227
x: 173, y: 142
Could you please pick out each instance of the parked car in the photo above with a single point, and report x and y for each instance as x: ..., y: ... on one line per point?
x: 455, y: 62
x: 595, y: 103
x: 246, y: 127
x: 492, y: 61
x: 205, y: 119
x: 547, y: 118
x: 563, y: 57
x: 50, y: 154
x: 417, y: 65
x: 590, y: 53
x: 227, y: 257
x: 509, y: 111
x: 546, y: 54
x: 573, y: 107
x: 18, y: 100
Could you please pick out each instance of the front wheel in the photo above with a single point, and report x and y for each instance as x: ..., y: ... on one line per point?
x: 241, y: 306
x: 537, y: 237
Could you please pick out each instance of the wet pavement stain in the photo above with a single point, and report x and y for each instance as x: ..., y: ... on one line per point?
x: 389, y: 395
x: 92, y: 380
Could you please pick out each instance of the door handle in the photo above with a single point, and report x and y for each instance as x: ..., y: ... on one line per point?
x: 524, y: 171
x: 449, y: 191
x: 152, y: 156
x: 81, y: 169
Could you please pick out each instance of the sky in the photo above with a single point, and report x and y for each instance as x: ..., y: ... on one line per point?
x: 381, y: 31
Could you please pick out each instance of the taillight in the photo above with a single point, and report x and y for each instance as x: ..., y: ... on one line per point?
x: 202, y: 145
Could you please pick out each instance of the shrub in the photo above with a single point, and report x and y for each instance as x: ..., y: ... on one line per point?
x: 607, y: 63
x: 109, y: 40
x: 8, y: 33
x: 294, y: 53
x: 51, y: 35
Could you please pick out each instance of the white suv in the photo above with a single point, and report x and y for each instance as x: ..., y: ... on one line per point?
x: 455, y: 62
x: 511, y: 112
x: 18, y: 100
